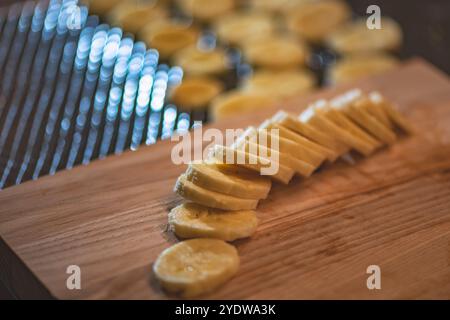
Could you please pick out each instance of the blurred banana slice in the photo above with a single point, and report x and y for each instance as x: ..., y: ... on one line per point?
x: 194, y: 267
x: 275, y: 6
x: 169, y: 36
x: 236, y: 102
x: 310, y: 132
x: 356, y: 37
x: 252, y: 162
x: 133, y: 15
x: 191, y: 220
x: 275, y: 52
x: 280, y: 84
x: 101, y: 7
x: 354, y: 67
x: 211, y: 177
x: 237, y: 28
x: 212, y: 199
x: 206, y: 10
x: 198, y: 62
x: 195, y: 93
x: 314, y: 20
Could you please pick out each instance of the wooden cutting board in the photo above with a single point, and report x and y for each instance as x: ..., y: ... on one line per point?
x: 316, y: 239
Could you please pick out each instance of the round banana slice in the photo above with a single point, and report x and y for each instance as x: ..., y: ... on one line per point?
x: 238, y: 28
x: 314, y: 20
x: 280, y: 84
x: 206, y: 10
x: 169, y: 37
x: 197, y: 62
x: 101, y: 7
x: 355, y: 67
x: 276, y: 6
x: 132, y: 16
x: 356, y: 37
x: 195, y: 267
x: 274, y: 52
x: 195, y: 93
x: 235, y: 103
x: 190, y: 220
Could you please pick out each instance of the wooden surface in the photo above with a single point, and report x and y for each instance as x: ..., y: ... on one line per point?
x: 316, y: 237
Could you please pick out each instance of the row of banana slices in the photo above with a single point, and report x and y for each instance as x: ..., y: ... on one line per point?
x: 222, y: 197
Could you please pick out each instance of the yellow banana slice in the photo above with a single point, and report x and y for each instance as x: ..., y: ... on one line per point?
x: 275, y: 52
x: 133, y: 15
x: 191, y: 220
x: 237, y: 103
x: 314, y: 20
x: 194, y: 267
x: 276, y: 6
x: 354, y: 67
x: 195, y: 93
x: 198, y: 62
x: 206, y: 10
x: 238, y: 28
x: 212, y: 199
x: 280, y: 84
x: 300, y: 167
x: 313, y: 116
x: 356, y: 37
x: 168, y: 37
x: 210, y: 177
x: 295, y: 149
x: 252, y: 162
x: 310, y: 132
x: 379, y: 104
x: 311, y: 146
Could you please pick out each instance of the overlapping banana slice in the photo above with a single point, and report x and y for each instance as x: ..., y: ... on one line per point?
x: 196, y: 93
x: 190, y: 220
x: 356, y: 37
x: 198, y: 62
x: 314, y: 20
x: 206, y: 10
x: 194, y: 267
x: 354, y: 67
x: 224, y: 192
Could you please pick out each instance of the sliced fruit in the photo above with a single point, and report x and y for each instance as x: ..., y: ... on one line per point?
x: 310, y: 132
x: 194, y: 267
x: 253, y: 162
x: 212, y: 199
x: 210, y: 177
x: 191, y: 220
x: 379, y: 104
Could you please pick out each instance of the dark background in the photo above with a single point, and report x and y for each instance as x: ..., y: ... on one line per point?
x: 425, y: 23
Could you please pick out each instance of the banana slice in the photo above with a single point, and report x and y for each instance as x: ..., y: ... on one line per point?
x: 197, y: 62
x: 354, y: 67
x: 252, y: 162
x: 275, y: 52
x: 250, y: 145
x: 314, y: 20
x: 169, y: 37
x: 191, y: 220
x: 310, y: 132
x: 238, y: 28
x: 210, y: 177
x: 313, y: 116
x: 280, y: 84
x: 356, y: 37
x: 212, y: 199
x: 356, y: 112
x: 196, y: 93
x: 298, y: 150
x: 194, y: 267
x: 235, y: 103
x: 276, y: 6
x: 101, y: 7
x: 381, y: 108
x: 132, y: 16
x: 305, y: 143
x: 206, y: 10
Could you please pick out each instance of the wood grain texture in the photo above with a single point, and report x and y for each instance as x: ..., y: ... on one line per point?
x: 317, y: 236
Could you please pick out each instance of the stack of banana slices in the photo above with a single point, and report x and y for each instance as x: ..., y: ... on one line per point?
x: 221, y: 197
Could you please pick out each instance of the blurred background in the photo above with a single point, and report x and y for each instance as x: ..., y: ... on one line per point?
x: 81, y: 80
